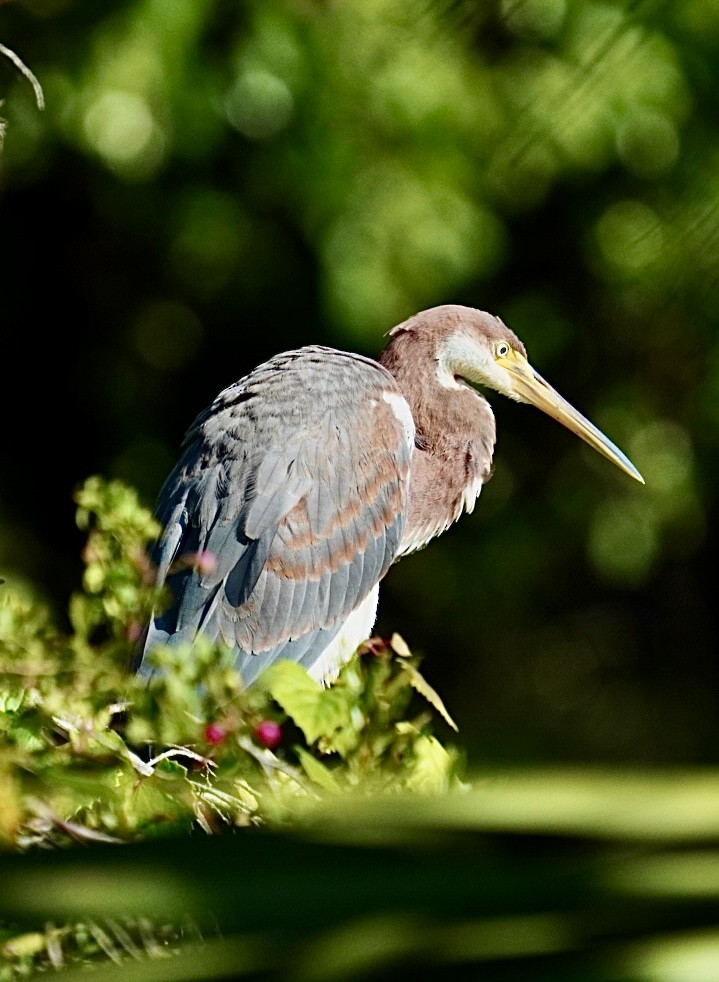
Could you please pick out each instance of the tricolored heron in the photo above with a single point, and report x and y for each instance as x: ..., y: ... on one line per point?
x: 304, y: 481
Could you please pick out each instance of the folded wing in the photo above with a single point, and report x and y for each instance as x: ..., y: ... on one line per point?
x: 286, y: 508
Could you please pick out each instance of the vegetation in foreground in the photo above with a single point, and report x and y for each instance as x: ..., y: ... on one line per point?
x: 90, y: 753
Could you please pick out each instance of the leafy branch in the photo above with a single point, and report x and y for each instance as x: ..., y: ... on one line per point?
x: 89, y: 753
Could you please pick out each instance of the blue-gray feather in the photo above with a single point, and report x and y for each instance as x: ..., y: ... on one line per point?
x: 291, y: 513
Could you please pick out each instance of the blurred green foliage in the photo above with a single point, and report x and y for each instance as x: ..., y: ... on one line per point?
x: 89, y: 753
x: 210, y: 183
x: 184, y: 827
x: 73, y: 711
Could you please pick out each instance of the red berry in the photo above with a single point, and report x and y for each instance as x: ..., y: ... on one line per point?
x: 214, y: 733
x: 205, y: 561
x: 268, y: 733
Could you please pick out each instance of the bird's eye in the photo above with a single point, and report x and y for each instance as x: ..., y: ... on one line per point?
x: 502, y: 349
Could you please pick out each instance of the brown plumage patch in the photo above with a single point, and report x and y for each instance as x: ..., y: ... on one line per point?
x: 375, y: 502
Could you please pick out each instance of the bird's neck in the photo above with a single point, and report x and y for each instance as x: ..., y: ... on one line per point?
x: 454, y: 444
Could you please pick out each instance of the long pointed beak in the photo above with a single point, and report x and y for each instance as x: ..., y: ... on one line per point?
x: 529, y: 386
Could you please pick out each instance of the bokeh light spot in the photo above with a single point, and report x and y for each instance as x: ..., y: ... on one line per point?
x: 209, y: 240
x: 701, y: 17
x: 534, y: 18
x: 630, y: 237
x: 623, y: 541
x: 648, y: 143
x: 167, y: 334
x: 259, y: 105
x: 122, y: 130
x: 665, y: 450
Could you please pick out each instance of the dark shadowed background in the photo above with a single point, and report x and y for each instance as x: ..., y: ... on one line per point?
x: 210, y: 183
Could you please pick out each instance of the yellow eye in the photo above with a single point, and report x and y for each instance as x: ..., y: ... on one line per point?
x: 502, y: 349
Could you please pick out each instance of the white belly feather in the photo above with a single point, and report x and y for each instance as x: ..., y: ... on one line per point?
x: 356, y: 629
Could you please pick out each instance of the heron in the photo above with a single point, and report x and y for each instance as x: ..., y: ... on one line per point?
x: 304, y: 481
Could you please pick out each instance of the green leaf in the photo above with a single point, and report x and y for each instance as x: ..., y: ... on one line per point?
x: 316, y: 711
x: 418, y: 682
x: 400, y: 647
x: 10, y: 702
x: 431, y: 767
x: 316, y: 771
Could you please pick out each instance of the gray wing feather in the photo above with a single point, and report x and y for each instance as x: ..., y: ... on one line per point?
x: 274, y: 491
x: 295, y: 483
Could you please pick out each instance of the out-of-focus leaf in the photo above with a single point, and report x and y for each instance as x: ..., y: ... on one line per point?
x: 318, y: 712
x: 451, y: 878
x: 317, y: 771
x: 425, y: 689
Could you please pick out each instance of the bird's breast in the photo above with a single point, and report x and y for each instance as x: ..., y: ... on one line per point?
x: 451, y: 462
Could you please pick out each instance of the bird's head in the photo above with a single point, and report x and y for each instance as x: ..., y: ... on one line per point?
x: 470, y: 345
